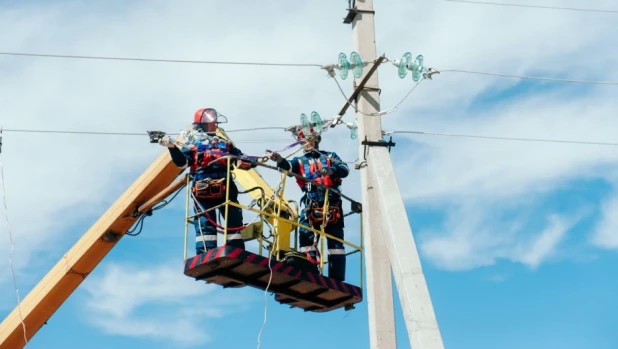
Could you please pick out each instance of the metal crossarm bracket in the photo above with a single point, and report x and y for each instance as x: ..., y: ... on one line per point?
x: 380, y: 143
x: 366, y: 88
x: 350, y: 16
x: 352, y: 11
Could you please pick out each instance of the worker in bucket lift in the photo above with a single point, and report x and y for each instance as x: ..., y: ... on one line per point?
x: 328, y: 169
x: 208, y: 184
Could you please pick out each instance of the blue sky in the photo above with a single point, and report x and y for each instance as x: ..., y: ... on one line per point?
x: 517, y: 239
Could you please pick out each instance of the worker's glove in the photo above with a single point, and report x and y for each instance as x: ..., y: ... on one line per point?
x: 327, y: 171
x: 166, y: 142
x: 276, y: 157
x: 246, y: 164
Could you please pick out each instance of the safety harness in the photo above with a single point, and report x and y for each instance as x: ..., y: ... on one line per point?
x: 310, y: 169
x: 205, y: 153
x: 212, y: 187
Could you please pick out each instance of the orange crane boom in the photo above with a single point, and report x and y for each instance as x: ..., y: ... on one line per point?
x: 62, y: 280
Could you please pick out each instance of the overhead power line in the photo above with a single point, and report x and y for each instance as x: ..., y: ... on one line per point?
x: 77, y: 132
x: 503, y: 138
x: 130, y: 133
x: 159, y: 60
x: 146, y: 134
x: 287, y: 140
x: 257, y: 128
x: 532, y: 6
x: 532, y: 77
x: 283, y: 65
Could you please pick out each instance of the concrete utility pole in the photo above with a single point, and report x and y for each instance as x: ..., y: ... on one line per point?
x: 379, y: 293
x: 387, y: 233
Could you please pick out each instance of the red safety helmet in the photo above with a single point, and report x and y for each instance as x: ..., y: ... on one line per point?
x: 206, y: 118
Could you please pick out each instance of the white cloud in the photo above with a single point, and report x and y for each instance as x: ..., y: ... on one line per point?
x: 498, y: 169
x: 447, y: 172
x: 606, y: 232
x: 157, y: 302
x: 474, y: 238
x: 544, y: 246
x: 497, y: 278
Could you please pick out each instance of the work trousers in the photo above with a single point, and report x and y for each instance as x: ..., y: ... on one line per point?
x: 206, y: 232
x: 336, y: 249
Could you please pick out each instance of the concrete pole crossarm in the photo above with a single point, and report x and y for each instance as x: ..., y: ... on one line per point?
x: 414, y: 295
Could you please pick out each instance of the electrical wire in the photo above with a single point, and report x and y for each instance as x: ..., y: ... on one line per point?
x: 347, y: 99
x: 266, y: 298
x: 145, y: 134
x: 159, y: 60
x: 532, y: 77
x: 77, y: 132
x: 140, y: 222
x: 406, y: 96
x: 503, y: 138
x: 532, y: 6
x: 6, y: 214
x: 130, y: 133
x: 257, y: 128
x: 276, y: 195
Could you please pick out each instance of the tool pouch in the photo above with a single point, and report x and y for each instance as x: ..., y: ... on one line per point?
x: 316, y: 214
x: 209, y: 189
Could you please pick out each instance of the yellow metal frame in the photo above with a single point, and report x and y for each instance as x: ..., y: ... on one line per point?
x: 282, y: 227
x: 251, y: 179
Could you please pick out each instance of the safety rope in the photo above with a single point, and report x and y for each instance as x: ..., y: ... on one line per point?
x: 6, y: 214
x: 270, y: 269
x: 201, y: 212
x: 199, y: 208
x: 276, y: 194
x: 220, y: 227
